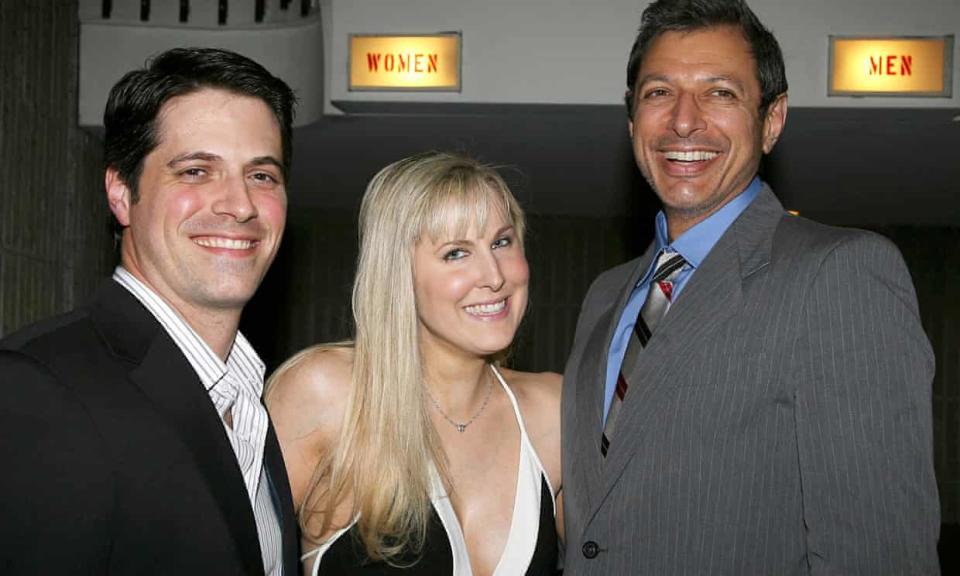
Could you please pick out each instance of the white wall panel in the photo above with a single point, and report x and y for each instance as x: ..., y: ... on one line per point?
x: 293, y: 52
x: 575, y: 52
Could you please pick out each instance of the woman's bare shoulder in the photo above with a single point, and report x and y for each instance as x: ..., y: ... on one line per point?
x: 538, y: 394
x: 537, y: 387
x: 307, y: 394
x: 306, y: 398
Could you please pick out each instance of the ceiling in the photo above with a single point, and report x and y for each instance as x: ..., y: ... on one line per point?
x: 867, y: 167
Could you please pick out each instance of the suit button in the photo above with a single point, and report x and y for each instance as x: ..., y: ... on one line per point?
x: 590, y: 549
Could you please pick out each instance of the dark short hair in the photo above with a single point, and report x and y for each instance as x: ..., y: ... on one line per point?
x: 130, y: 117
x: 688, y: 15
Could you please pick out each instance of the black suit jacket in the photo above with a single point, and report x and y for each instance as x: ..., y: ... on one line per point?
x: 114, y: 459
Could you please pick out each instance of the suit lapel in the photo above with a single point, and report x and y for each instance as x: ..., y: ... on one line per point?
x: 165, y: 376
x: 713, y: 295
x: 589, y: 411
x: 592, y: 376
x: 282, y: 502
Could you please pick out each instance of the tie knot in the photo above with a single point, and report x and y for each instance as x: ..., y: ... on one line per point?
x: 668, y: 264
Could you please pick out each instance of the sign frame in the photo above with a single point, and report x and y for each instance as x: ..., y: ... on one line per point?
x: 455, y: 34
x: 947, y: 92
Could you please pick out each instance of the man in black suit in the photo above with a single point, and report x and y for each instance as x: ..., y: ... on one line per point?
x: 133, y: 436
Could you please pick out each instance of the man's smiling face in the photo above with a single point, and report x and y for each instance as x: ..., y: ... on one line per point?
x: 212, y: 202
x: 697, y: 131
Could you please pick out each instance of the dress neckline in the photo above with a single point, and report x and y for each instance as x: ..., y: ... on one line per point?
x: 525, y: 517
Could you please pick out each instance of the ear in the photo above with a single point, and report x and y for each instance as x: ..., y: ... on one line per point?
x: 774, y: 121
x: 118, y: 196
x: 630, y: 128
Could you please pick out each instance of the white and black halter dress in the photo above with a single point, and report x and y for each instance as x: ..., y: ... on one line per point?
x: 531, y: 545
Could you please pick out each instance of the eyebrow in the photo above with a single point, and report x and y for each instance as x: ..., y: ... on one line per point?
x: 262, y: 160
x: 737, y: 83
x: 210, y: 157
x: 499, y: 232
x: 191, y: 156
x: 651, y: 78
x: 710, y: 80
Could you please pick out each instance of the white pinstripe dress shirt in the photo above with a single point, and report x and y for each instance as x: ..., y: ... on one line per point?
x: 242, y: 371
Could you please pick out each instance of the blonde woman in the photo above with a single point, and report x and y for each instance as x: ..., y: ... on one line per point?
x: 411, y: 450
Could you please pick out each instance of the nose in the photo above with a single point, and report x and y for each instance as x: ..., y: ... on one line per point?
x: 687, y: 118
x: 491, y: 275
x: 234, y: 200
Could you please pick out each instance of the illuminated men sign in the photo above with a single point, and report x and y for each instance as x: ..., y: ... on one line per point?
x: 425, y: 63
x: 894, y: 66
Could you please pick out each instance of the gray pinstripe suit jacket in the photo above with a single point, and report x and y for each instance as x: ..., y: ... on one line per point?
x: 779, y: 421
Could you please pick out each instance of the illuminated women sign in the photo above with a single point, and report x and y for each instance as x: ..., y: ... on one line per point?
x: 425, y: 63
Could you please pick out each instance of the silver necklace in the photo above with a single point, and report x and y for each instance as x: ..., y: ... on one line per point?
x: 461, y: 427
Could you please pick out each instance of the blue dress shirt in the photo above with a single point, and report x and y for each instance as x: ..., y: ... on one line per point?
x: 693, y: 245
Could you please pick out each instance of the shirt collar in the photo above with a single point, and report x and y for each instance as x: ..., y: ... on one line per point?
x: 205, y: 362
x: 696, y: 243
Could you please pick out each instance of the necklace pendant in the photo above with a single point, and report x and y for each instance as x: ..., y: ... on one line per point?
x: 461, y: 427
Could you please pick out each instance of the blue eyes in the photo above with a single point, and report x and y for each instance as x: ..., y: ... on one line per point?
x: 459, y: 253
x: 455, y: 254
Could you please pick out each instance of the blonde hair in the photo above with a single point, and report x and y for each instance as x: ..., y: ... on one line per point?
x: 387, y: 443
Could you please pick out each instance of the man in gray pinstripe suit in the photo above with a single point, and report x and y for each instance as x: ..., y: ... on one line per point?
x: 777, y: 419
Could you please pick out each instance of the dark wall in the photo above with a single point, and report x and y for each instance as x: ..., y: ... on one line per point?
x: 864, y: 167
x: 54, y: 227
x: 305, y: 298
x: 933, y: 256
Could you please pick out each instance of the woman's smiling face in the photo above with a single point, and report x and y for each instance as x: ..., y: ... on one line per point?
x: 471, y: 288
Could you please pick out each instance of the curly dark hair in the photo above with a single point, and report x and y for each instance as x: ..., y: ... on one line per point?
x: 686, y: 15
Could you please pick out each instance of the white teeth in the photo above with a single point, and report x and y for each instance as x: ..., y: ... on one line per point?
x: 486, y: 308
x: 690, y: 156
x: 228, y: 243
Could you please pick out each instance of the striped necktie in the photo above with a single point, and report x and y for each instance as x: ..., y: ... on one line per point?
x: 659, y: 296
